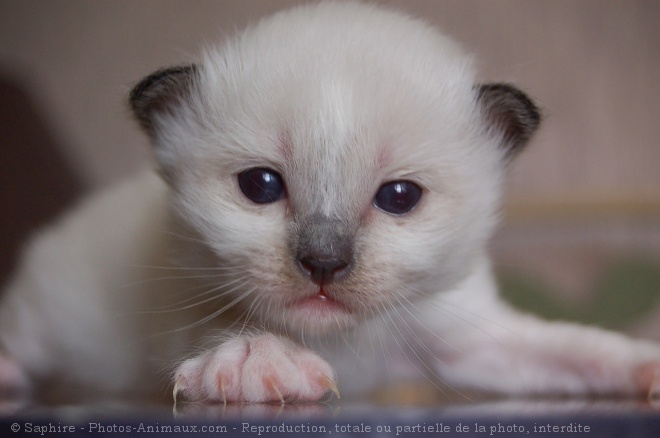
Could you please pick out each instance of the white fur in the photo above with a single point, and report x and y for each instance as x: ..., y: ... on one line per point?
x: 339, y: 98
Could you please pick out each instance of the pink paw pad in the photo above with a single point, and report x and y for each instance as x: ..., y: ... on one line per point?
x: 257, y: 369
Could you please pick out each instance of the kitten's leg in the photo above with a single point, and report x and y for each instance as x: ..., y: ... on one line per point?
x: 14, y: 386
x: 259, y: 368
x: 481, y: 342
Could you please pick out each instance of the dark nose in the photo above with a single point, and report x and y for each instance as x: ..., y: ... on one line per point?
x: 323, y: 271
x: 323, y: 248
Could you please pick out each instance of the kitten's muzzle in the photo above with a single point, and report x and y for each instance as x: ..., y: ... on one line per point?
x: 324, y: 249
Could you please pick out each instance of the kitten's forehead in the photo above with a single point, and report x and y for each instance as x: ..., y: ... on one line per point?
x: 347, y: 136
x: 328, y: 154
x: 357, y: 98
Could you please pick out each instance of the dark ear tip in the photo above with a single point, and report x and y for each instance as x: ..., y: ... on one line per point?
x: 508, y: 91
x: 158, y: 91
x: 139, y: 90
x: 511, y: 112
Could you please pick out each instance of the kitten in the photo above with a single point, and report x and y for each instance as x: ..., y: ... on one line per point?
x: 327, y: 182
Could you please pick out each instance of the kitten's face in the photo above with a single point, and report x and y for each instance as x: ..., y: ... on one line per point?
x: 337, y: 177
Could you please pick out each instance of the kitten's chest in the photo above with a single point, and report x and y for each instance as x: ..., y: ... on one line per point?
x: 372, y: 355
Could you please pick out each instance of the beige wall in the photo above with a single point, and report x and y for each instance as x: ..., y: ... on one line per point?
x: 593, y: 65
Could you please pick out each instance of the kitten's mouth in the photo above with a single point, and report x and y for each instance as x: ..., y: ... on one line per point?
x: 318, y: 313
x: 320, y: 302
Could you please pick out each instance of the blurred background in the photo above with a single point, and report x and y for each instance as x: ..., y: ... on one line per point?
x: 581, y: 231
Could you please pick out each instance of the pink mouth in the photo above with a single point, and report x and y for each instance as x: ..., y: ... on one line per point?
x: 320, y: 302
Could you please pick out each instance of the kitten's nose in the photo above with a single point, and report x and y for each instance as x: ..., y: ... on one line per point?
x: 323, y: 271
x: 323, y: 248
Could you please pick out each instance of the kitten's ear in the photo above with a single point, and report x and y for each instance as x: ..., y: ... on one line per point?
x: 510, y: 112
x: 161, y: 93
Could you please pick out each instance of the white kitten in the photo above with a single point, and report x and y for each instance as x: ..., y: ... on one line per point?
x: 329, y: 180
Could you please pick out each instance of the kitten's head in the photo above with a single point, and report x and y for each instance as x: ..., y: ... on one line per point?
x: 339, y: 157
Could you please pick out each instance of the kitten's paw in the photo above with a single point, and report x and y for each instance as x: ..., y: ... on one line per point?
x: 13, y: 385
x: 258, y: 369
x: 648, y: 379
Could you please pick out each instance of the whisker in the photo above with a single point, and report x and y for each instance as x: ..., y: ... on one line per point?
x: 214, y: 314
x: 464, y: 320
x: 186, y: 268
x: 246, y: 316
x: 181, y: 305
x: 420, y: 360
x: 184, y: 277
x: 184, y: 237
x: 420, y: 323
x: 383, y: 347
x: 350, y: 346
x: 477, y: 316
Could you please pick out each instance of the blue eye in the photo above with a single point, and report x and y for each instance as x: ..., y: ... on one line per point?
x: 398, y: 197
x: 261, y: 185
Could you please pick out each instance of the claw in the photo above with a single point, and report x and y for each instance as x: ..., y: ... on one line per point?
x: 648, y: 379
x: 654, y: 388
x: 179, y: 385
x: 329, y: 385
x: 222, y: 389
x: 277, y: 391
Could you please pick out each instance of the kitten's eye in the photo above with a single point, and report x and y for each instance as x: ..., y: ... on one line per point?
x: 398, y: 197
x: 261, y: 185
